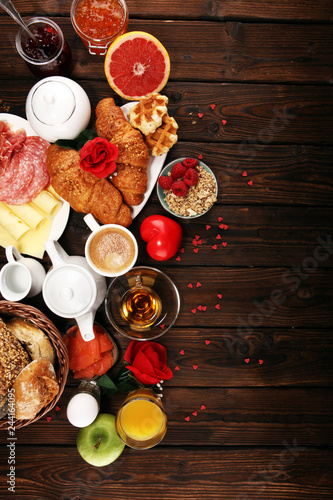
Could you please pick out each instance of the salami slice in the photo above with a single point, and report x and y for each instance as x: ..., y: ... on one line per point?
x: 29, y: 173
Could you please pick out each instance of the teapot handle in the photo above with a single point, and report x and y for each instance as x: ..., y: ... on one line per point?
x: 56, y: 253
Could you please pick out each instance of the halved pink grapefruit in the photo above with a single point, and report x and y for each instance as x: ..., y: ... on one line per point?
x: 137, y: 65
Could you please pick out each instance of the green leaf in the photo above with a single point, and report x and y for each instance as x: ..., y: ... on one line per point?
x: 79, y: 141
x: 107, y: 384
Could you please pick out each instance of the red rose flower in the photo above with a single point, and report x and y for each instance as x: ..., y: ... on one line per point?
x: 147, y: 361
x: 98, y: 157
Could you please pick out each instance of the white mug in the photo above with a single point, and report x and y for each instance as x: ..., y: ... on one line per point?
x: 21, y: 277
x: 111, y: 249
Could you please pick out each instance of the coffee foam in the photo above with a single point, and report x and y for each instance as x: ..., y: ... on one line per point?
x: 111, y: 250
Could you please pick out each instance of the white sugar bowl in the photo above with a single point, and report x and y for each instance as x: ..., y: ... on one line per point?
x: 58, y: 108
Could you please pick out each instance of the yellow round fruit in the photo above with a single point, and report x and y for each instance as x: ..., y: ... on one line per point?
x: 137, y: 65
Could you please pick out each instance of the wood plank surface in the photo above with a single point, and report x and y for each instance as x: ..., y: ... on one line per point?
x: 250, y: 404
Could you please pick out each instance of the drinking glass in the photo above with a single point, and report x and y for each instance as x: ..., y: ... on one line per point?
x: 99, y: 22
x: 141, y: 422
x: 142, y: 304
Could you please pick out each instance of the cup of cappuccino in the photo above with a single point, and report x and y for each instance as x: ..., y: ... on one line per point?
x: 111, y: 250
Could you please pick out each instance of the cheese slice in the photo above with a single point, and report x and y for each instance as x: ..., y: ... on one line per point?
x: 33, y: 243
x: 14, y: 226
x: 31, y: 215
x: 47, y: 202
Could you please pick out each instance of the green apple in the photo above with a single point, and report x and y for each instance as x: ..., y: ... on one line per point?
x: 99, y: 443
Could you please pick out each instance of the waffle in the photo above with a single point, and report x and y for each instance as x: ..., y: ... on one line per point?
x: 147, y: 114
x: 164, y: 136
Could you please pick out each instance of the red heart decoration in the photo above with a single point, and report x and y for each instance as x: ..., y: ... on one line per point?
x: 213, y: 106
x: 202, y: 407
x: 162, y: 326
x: 224, y: 122
x: 244, y: 174
x: 57, y: 408
x: 208, y: 227
x: 224, y: 243
x: 163, y: 236
x: 204, y: 308
x: 207, y: 342
x: 195, y: 413
x: 178, y: 258
x: 198, y: 284
x: 49, y: 419
x: 220, y: 219
x: 218, y: 237
x: 200, y: 115
x: 219, y: 295
x: 190, y: 285
x: 177, y: 367
x: 261, y: 361
x: 187, y: 419
x: 195, y: 367
x: 217, y: 306
x: 182, y: 352
x: 250, y: 183
x: 200, y: 308
x: 214, y: 247
x: 200, y: 156
x: 193, y: 310
x: 195, y: 250
x: 247, y: 360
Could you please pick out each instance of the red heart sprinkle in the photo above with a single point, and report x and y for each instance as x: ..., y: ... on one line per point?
x: 224, y: 122
x: 187, y: 419
x: 244, y: 174
x: 219, y: 295
x: 195, y: 367
x: 182, y: 352
x: 162, y: 326
x: 247, y: 360
x: 198, y: 284
x: 204, y: 308
x: 194, y: 242
x: 200, y: 156
x: 199, y: 242
x: 193, y: 310
x: 261, y: 361
x: 202, y: 407
x: 177, y: 368
x: 200, y: 308
x: 218, y: 237
x: 182, y: 250
x: 214, y: 247
x: 250, y: 183
x: 49, y: 419
x: 220, y: 219
x: 224, y: 243
x: 213, y: 106
x: 190, y: 285
x: 208, y: 227
x: 178, y: 258
x: 57, y: 408
x: 217, y: 306
x: 196, y: 250
x: 195, y: 413
x: 197, y: 236
x: 207, y: 342
x: 200, y: 115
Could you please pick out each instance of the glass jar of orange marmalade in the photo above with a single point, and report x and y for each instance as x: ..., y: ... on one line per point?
x: 99, y: 22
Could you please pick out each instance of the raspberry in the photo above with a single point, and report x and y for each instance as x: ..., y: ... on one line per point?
x: 179, y: 188
x: 191, y: 177
x: 178, y: 170
x: 165, y: 181
x: 190, y: 162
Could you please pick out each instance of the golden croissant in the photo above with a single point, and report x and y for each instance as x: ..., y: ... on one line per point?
x: 133, y: 158
x: 84, y: 191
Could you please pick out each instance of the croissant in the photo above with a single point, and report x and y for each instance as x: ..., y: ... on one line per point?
x: 133, y: 158
x: 84, y: 191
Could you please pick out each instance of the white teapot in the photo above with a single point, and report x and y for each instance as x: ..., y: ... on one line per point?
x: 71, y: 289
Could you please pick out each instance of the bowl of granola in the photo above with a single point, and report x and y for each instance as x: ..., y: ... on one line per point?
x: 187, y: 188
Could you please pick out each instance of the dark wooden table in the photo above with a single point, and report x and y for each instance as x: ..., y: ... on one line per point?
x: 259, y: 73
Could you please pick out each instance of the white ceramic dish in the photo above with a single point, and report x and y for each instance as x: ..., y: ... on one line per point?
x: 61, y: 219
x: 154, y: 168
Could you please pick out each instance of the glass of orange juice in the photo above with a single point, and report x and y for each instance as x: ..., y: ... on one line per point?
x: 141, y: 421
x: 99, y: 22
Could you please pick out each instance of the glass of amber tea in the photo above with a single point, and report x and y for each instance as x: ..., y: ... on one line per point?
x: 99, y: 22
x: 141, y: 422
x: 142, y: 304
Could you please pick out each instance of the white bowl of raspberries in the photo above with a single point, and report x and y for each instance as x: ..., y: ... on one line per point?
x: 187, y: 188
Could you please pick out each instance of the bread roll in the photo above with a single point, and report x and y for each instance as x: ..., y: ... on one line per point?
x: 35, y: 387
x: 34, y: 340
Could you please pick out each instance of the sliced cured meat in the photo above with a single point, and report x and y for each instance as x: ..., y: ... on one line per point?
x: 10, y: 143
x: 27, y: 174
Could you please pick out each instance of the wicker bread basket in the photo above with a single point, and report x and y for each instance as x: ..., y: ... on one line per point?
x: 11, y: 309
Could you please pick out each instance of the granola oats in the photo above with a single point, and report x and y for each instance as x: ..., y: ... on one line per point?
x: 198, y: 199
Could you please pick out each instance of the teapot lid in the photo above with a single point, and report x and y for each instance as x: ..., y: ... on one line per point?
x: 69, y: 290
x: 53, y: 102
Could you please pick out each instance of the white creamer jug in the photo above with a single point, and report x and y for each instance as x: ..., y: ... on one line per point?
x: 71, y: 289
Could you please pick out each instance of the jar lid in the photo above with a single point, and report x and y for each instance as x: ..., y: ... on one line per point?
x: 53, y: 102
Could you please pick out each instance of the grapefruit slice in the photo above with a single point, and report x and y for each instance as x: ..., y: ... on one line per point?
x: 136, y: 65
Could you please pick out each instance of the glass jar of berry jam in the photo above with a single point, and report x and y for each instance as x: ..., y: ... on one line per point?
x: 52, y: 56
